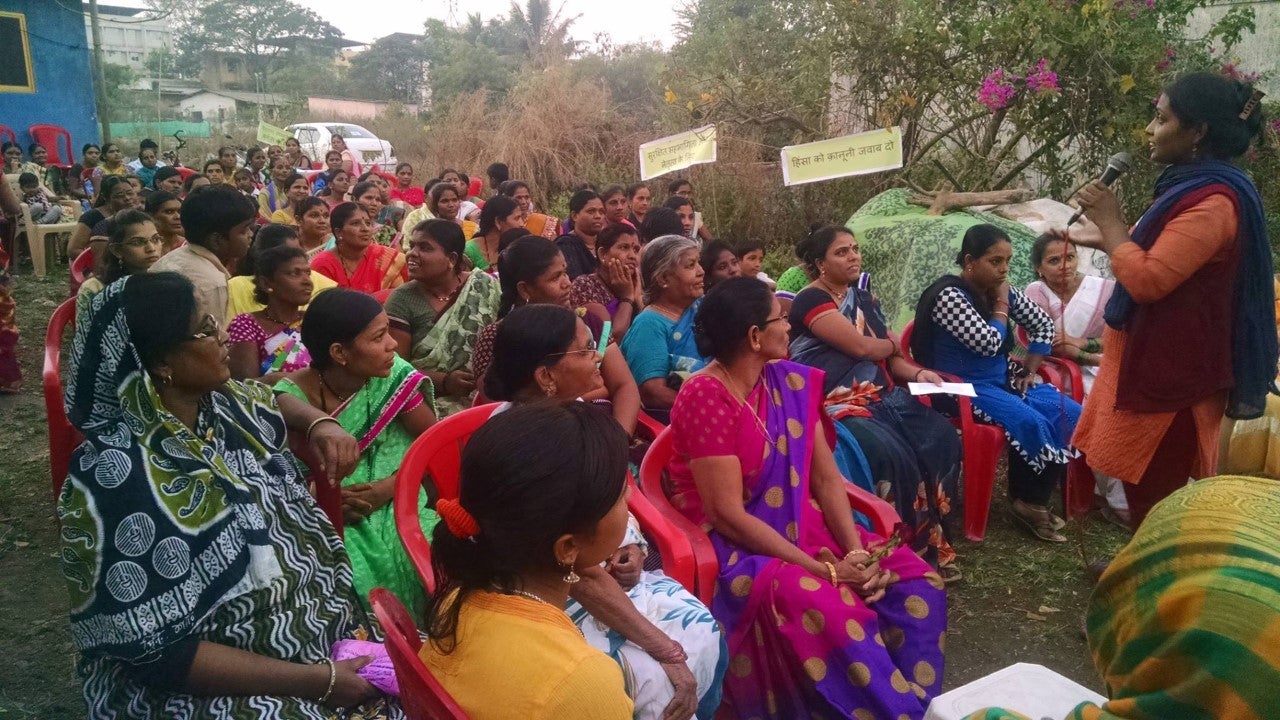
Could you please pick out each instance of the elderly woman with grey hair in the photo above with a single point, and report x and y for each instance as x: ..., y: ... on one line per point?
x: 659, y: 346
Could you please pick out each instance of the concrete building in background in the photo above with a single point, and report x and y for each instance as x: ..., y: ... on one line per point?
x: 129, y: 34
x: 1256, y: 51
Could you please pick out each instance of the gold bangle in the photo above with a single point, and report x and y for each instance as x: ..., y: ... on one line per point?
x: 317, y: 421
x: 832, y: 569
x: 333, y: 680
x: 851, y: 553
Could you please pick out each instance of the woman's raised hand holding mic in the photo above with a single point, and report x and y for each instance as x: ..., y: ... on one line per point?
x: 1101, y: 207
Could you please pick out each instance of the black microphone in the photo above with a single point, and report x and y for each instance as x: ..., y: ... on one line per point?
x: 1116, y: 166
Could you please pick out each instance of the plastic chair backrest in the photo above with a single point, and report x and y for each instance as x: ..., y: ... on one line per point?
x: 438, y: 453
x: 63, y: 438
x: 81, y: 267
x: 881, y: 514
x: 421, y: 695
x: 56, y: 140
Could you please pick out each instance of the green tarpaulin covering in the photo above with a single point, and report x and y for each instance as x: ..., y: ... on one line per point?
x: 158, y: 130
x: 905, y: 249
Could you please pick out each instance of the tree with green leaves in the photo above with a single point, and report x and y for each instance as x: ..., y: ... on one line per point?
x: 250, y: 29
x: 392, y: 68
x: 540, y: 33
x: 987, y: 93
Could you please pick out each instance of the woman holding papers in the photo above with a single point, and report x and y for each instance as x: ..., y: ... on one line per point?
x: 887, y: 441
x: 962, y: 327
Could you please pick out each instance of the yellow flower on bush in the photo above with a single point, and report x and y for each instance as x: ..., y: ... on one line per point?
x: 669, y: 96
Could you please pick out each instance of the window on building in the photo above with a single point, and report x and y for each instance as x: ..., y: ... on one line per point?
x: 17, y: 75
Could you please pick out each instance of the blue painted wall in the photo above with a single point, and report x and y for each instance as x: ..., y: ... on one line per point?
x: 64, y: 81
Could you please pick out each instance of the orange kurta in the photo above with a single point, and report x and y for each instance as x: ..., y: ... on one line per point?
x: 1121, y: 443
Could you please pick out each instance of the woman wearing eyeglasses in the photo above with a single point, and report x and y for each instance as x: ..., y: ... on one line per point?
x: 204, y: 580
x: 533, y: 272
x: 665, y: 640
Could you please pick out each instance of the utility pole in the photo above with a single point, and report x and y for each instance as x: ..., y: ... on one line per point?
x: 99, y: 76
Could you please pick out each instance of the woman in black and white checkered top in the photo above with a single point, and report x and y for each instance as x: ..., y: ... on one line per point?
x: 963, y: 327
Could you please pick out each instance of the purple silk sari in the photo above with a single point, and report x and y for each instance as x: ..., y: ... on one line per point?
x: 799, y: 647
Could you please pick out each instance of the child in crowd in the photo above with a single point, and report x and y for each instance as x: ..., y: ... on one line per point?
x: 750, y: 258
x: 44, y: 211
x: 245, y: 183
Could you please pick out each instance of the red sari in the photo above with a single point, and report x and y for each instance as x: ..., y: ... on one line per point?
x: 381, y: 268
x: 412, y: 195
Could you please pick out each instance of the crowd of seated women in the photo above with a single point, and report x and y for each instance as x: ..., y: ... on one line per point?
x: 206, y: 582
x: 365, y: 347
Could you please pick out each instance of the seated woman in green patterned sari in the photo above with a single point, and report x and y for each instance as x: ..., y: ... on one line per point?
x: 204, y: 582
x: 356, y: 377
x: 1185, y: 622
x: 436, y: 316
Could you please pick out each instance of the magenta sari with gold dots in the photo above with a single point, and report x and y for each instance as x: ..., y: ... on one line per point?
x: 798, y: 646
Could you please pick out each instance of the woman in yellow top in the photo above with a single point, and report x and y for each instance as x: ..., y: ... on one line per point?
x: 298, y: 188
x: 241, y: 296
x: 508, y: 551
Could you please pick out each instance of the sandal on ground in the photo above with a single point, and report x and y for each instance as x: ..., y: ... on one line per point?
x: 1058, y: 523
x: 1116, y: 517
x: 950, y: 574
x: 1038, y: 521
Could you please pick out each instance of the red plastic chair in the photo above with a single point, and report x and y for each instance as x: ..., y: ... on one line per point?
x: 1070, y: 380
x: 983, y: 444
x: 881, y: 514
x: 63, y: 438
x: 81, y: 269
x: 1080, y: 479
x: 8, y: 135
x: 56, y: 140
x: 438, y: 453
x: 1078, y: 493
x: 421, y: 695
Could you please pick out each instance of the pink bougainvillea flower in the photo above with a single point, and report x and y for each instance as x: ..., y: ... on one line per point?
x: 997, y: 90
x: 1040, y: 79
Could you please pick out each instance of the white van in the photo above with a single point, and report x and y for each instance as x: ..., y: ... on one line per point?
x: 314, y: 137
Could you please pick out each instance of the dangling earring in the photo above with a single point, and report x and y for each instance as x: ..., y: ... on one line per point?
x: 570, y: 576
x: 166, y: 380
x: 550, y: 390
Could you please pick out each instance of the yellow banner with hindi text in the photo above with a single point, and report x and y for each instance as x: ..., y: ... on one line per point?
x: 676, y: 152
x: 859, y: 154
x: 272, y: 135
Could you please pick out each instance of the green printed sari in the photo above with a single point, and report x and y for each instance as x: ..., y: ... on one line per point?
x: 370, y: 415
x: 448, y: 345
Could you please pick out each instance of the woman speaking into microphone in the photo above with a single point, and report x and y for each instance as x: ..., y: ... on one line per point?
x: 1191, y: 330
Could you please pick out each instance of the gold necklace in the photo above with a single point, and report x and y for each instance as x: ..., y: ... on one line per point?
x: 730, y: 384
x: 838, y: 297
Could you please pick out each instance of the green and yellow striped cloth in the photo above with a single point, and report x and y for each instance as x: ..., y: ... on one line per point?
x: 1185, y: 624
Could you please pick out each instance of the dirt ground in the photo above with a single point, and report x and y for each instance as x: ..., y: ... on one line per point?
x: 1020, y: 600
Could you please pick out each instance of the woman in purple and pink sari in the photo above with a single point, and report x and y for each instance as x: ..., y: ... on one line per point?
x: 824, y: 619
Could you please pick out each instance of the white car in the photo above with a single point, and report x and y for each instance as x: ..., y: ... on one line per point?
x: 314, y: 137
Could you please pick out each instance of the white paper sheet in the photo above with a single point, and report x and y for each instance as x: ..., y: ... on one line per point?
x: 945, y: 388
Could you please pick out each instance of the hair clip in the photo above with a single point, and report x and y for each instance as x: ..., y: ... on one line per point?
x: 460, y: 523
x: 1251, y: 104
